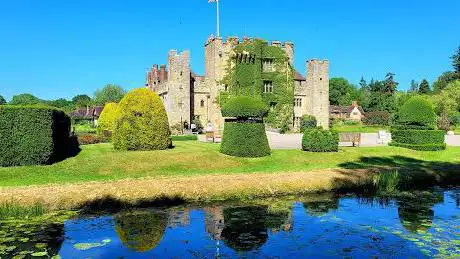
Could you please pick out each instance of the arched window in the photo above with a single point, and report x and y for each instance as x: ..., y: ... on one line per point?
x: 202, y: 103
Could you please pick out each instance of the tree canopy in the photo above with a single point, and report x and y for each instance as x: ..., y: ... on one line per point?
x: 25, y: 99
x: 341, y: 92
x: 2, y: 100
x: 110, y: 93
x: 81, y: 100
x: 456, y: 60
x: 424, y: 87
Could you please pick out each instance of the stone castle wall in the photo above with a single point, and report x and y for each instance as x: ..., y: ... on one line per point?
x: 186, y: 95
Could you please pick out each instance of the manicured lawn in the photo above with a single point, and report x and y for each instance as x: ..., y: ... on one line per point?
x: 360, y: 128
x: 100, y: 162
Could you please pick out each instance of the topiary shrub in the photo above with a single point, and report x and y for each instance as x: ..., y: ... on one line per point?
x: 381, y: 118
x: 320, y: 140
x: 415, y: 129
x: 308, y: 122
x: 417, y: 112
x: 244, y: 134
x: 34, y: 135
x: 106, y: 121
x: 142, y: 122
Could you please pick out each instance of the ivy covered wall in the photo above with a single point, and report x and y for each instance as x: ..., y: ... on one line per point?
x: 259, y: 70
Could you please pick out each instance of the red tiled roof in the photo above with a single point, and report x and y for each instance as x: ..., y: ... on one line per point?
x: 87, y: 113
x: 298, y: 76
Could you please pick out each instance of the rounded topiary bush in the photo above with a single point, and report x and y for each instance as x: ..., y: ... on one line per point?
x: 106, y: 121
x: 417, y: 113
x: 244, y: 131
x: 320, y: 140
x: 415, y: 127
x: 141, y: 122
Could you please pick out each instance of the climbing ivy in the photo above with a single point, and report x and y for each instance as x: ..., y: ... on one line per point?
x: 246, y: 76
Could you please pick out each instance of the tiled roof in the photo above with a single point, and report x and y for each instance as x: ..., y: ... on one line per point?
x: 344, y: 109
x: 298, y: 76
x: 88, y: 113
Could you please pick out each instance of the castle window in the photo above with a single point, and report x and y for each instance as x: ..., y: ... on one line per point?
x: 297, y: 121
x: 268, y: 65
x: 226, y: 88
x: 268, y: 87
x: 298, y: 102
x: 202, y: 103
x: 320, y: 79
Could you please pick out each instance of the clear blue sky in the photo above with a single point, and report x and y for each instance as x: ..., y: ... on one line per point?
x: 58, y: 49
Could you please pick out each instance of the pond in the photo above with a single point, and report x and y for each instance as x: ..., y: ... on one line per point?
x: 421, y: 224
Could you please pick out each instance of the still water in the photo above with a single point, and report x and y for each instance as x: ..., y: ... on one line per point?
x: 417, y: 225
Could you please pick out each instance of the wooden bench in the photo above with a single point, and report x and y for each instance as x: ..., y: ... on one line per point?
x: 353, y: 137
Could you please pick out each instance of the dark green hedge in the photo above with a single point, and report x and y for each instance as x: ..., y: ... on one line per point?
x: 33, y: 135
x: 418, y: 137
x: 245, y: 139
x: 308, y: 122
x: 244, y: 107
x: 428, y: 147
x: 425, y: 140
x: 320, y: 140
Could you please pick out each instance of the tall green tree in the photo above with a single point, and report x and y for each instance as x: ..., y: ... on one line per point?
x: 2, y: 100
x: 111, y: 93
x: 443, y: 80
x: 413, y: 86
x: 424, y: 87
x: 390, y: 85
x: 81, y: 100
x: 456, y: 60
x: 25, y: 99
x: 341, y: 92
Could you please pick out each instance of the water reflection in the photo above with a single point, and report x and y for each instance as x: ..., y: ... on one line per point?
x: 415, y: 225
x: 321, y: 205
x: 140, y: 231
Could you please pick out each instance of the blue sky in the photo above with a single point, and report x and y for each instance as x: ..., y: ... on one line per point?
x: 58, y: 49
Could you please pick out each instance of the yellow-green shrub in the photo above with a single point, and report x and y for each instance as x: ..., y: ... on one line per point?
x: 106, y: 121
x: 141, y: 122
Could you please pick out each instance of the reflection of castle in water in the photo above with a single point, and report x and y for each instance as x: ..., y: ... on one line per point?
x: 214, y: 221
x: 179, y: 217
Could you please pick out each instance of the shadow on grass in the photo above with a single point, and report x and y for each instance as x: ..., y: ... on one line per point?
x: 413, y: 173
x: 111, y: 204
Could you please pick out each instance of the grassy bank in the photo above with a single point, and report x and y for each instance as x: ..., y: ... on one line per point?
x: 194, y: 171
x: 190, y: 158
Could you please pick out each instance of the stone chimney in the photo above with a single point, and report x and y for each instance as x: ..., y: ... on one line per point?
x: 162, y: 73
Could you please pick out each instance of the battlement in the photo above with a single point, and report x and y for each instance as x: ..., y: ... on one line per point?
x: 235, y: 40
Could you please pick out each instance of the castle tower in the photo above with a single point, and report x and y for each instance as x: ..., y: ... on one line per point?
x: 318, y: 91
x: 288, y: 47
x: 179, y: 91
x: 217, y: 54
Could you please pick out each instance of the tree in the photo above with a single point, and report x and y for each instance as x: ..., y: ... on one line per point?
x: 81, y: 100
x: 109, y: 94
x: 456, y: 61
x: 424, y: 87
x: 445, y: 79
x: 448, y: 101
x: 107, y: 119
x: 413, y: 86
x: 341, y: 92
x: 2, y: 100
x: 363, y: 84
x: 389, y: 84
x: 25, y: 99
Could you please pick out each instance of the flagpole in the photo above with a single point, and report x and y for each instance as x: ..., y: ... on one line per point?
x: 218, y: 20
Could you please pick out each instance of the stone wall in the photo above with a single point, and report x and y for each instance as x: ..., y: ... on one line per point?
x: 318, y: 91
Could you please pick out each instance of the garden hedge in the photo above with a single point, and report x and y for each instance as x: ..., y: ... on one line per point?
x: 34, y: 135
x: 245, y: 139
x: 320, y: 140
x: 141, y: 122
x: 423, y: 140
x: 244, y: 107
x: 308, y: 122
x: 106, y: 121
x: 418, y: 112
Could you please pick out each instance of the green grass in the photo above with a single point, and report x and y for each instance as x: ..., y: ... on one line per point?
x: 101, y: 162
x: 83, y: 128
x: 184, y: 137
x: 360, y: 128
x: 13, y: 210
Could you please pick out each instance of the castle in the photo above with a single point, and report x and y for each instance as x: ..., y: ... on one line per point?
x: 188, y: 96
